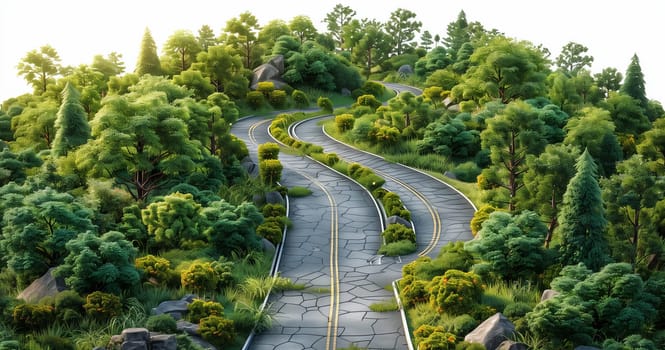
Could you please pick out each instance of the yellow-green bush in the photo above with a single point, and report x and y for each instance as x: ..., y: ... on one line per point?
x: 154, y: 268
x: 344, y: 122
x: 217, y: 330
x: 268, y: 150
x: 278, y: 98
x: 199, y: 308
x: 102, y: 305
x: 32, y: 317
x: 270, y: 171
x: 199, y: 277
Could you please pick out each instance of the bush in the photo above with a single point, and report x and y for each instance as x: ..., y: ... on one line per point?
x: 270, y: 171
x: 200, y: 277
x: 456, y: 292
x: 217, y: 330
x: 398, y: 232
x: 163, y: 323
x: 300, y: 99
x: 268, y: 150
x: 368, y: 101
x: 154, y: 267
x: 69, y: 306
x: 413, y: 291
x: 265, y: 87
x: 102, y: 306
x: 278, y: 98
x: 270, y: 230
x: 199, y: 309
x: 31, y: 317
x: 332, y: 159
x: 48, y: 341
x: 480, y: 216
x: 325, y: 104
x: 299, y: 191
x: 463, y: 324
x: 516, y: 310
x: 255, y: 99
x: 467, y: 171
x: 398, y: 248
x: 273, y: 210
x: 344, y: 122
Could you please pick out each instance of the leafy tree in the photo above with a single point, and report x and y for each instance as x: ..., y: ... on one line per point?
x: 241, y: 34
x: 14, y: 166
x: 103, y: 263
x: 206, y: 37
x: 563, y: 92
x: 652, y: 146
x: 181, y: 49
x: 457, y: 34
x: 141, y: 139
x: 609, y: 79
x: 231, y: 228
x: 225, y: 69
x: 372, y: 48
x: 148, y: 61
x: 572, y: 58
x: 109, y: 66
x: 504, y: 69
x: 628, y: 194
x: 627, y: 115
x: 436, y: 59
x: 450, y: 138
x: 302, y: 28
x: 582, y: 221
x: 71, y: 124
x: 593, y: 130
x: 34, y: 127
x: 426, y: 40
x: 36, y: 230
x: 195, y: 81
x: 510, y: 136
x: 336, y: 20
x: 39, y: 68
x: 511, y: 246
x: 633, y: 83
x: 272, y: 31
x: 402, y: 28
x: 546, y: 180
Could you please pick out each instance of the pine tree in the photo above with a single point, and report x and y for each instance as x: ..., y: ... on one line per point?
x: 582, y: 218
x: 458, y: 34
x: 71, y: 123
x: 148, y: 62
x: 633, y: 83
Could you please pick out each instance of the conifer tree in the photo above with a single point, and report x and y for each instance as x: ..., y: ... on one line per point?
x: 457, y: 34
x: 633, y: 83
x: 148, y: 62
x: 71, y: 123
x: 582, y: 218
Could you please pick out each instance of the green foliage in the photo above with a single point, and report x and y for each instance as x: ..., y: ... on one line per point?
x: 300, y: 99
x: 217, y: 330
x: 398, y: 232
x: 268, y: 150
x: 102, y: 306
x: 271, y: 229
x: 633, y: 83
x: 278, y: 99
x: 384, y: 306
x: 163, y: 323
x: 368, y: 101
x: 32, y: 317
x: 325, y: 104
x: 148, y: 61
x: 69, y: 306
x: 299, y: 191
x: 200, y: 277
x: 463, y: 324
x: 331, y: 159
x: 467, y: 171
x: 265, y: 87
x: 71, y: 124
x: 15, y: 166
x: 230, y: 228
x: 154, y: 268
x: 456, y: 292
x: 173, y: 221
x: 344, y: 122
x: 270, y: 171
x: 512, y: 245
x: 199, y: 308
x: 398, y: 248
x: 255, y: 99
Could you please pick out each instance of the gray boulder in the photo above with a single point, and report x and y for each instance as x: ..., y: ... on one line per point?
x: 398, y: 220
x: 450, y: 174
x: 274, y: 197
x: 271, y: 71
x: 405, y: 70
x: 135, y: 335
x: 492, y: 332
x: 187, y: 327
x: 175, y: 308
x: 512, y: 345
x: 267, y: 246
x: 45, y: 286
x: 548, y: 294
x: 163, y: 342
x: 134, y: 345
x: 248, y: 164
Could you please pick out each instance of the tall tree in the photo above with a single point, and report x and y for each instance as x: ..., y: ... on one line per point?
x: 633, y: 83
x: 302, y: 28
x: 206, y: 37
x: 225, y: 69
x: 510, y: 137
x: 33, y: 127
x: 148, y: 61
x: 582, y: 221
x: 71, y: 123
x: 402, y: 28
x: 110, y: 66
x: 181, y: 49
x: 271, y: 32
x: 609, y: 79
x: 652, y: 146
x: 141, y: 139
x: 372, y: 48
x: 628, y: 194
x: 457, y: 34
x: 39, y: 68
x: 426, y: 40
x: 242, y: 35
x: 336, y: 20
x: 572, y: 58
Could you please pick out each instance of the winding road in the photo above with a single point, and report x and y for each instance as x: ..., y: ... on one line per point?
x: 332, y: 243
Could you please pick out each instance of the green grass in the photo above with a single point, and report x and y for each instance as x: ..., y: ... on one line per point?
x: 385, y: 306
x: 351, y: 347
x: 318, y: 290
x: 501, y: 294
x: 299, y: 191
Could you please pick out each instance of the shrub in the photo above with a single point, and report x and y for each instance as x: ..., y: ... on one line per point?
x: 344, y: 122
x: 154, y: 267
x: 31, y: 317
x: 270, y: 171
x: 255, y: 99
x: 199, y: 277
x: 102, y: 305
x: 398, y: 248
x: 413, y: 291
x: 482, y: 214
x: 69, y: 306
x: 163, y: 323
x: 268, y: 150
x: 270, y: 230
x: 278, y: 98
x: 398, y: 232
x: 325, y: 104
x: 265, y: 87
x: 332, y: 159
x: 463, y: 324
x: 300, y: 99
x: 49, y: 341
x: 516, y: 310
x: 199, y: 309
x: 456, y: 292
x: 217, y: 330
x: 273, y: 210
x: 10, y: 345
x: 467, y: 171
x: 368, y: 101
x: 374, y: 88
x: 299, y: 191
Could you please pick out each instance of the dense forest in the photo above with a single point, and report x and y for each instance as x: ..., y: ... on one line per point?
x: 130, y: 187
